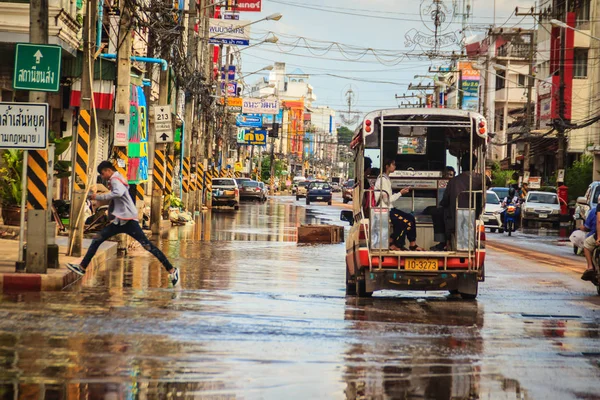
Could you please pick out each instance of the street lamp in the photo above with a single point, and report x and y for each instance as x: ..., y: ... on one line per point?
x: 270, y: 39
x: 267, y: 68
x: 274, y: 17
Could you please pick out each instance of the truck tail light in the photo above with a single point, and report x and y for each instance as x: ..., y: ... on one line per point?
x: 482, y: 237
x: 362, y: 235
x: 368, y: 128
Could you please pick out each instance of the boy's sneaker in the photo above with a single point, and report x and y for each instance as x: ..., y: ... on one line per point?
x: 174, y: 277
x: 78, y: 269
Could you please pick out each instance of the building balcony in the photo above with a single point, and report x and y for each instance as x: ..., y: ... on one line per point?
x: 63, y: 28
x: 512, y: 95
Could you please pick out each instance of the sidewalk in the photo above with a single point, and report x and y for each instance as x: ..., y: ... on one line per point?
x: 55, y: 279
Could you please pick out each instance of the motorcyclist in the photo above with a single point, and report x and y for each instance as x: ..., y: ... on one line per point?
x: 511, y: 200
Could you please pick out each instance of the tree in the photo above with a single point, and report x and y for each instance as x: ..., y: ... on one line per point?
x: 345, y: 135
x: 579, y: 176
x: 502, y: 178
x: 266, y: 169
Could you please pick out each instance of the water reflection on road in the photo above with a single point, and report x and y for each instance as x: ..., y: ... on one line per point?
x: 258, y: 316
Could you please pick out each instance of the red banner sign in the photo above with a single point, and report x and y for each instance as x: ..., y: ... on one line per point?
x: 248, y: 5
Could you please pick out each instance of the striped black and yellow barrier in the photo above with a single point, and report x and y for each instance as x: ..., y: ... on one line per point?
x: 185, y: 179
x: 82, y: 156
x: 121, y: 160
x: 158, y: 173
x: 37, y: 180
x: 238, y: 174
x: 230, y: 172
x: 208, y: 179
x: 223, y: 173
x: 193, y: 182
x: 169, y: 174
x: 139, y: 192
x: 200, y: 176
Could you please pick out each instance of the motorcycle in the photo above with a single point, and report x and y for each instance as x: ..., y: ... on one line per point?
x: 510, y: 218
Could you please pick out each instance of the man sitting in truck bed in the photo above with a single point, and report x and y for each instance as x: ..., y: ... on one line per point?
x: 456, y: 186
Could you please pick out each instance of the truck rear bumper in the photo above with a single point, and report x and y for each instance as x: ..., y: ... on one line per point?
x: 463, y: 281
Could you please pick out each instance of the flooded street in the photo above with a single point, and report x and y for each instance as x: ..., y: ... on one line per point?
x: 258, y: 316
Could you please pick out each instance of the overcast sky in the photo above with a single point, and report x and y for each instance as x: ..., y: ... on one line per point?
x: 362, y: 24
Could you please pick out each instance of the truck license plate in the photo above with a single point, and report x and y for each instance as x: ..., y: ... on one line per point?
x: 319, y: 198
x: 543, y: 215
x: 421, y: 264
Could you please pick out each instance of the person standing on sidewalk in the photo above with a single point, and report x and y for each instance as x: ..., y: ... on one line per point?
x: 125, y: 215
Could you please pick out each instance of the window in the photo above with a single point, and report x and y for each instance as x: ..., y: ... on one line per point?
x: 580, y: 63
x: 500, y: 80
x: 412, y: 145
x: 521, y: 80
x: 583, y: 14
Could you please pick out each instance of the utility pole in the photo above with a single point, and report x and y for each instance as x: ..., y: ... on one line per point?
x: 123, y: 91
x: 36, y: 260
x: 529, y: 106
x: 560, y: 155
x: 159, y: 156
x: 529, y: 113
x: 190, y: 137
x: 81, y: 168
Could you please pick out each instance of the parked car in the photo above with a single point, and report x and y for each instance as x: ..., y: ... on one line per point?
x: 301, y: 189
x: 589, y: 201
x: 239, y: 181
x: 319, y: 192
x: 251, y: 190
x: 225, y: 192
x: 541, y: 207
x: 502, y: 192
x: 264, y: 189
x: 347, y: 191
x: 492, y: 216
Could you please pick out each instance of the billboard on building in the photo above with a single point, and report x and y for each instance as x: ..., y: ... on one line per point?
x: 470, y: 78
x: 224, y: 31
x: 245, y: 5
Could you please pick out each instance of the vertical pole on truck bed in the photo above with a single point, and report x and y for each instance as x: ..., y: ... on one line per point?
x: 381, y: 168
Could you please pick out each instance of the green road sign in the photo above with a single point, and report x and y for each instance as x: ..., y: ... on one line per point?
x: 37, y: 67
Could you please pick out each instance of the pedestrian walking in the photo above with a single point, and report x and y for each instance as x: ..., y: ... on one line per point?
x: 125, y: 220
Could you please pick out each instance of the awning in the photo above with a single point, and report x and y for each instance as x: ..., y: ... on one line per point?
x: 104, y: 94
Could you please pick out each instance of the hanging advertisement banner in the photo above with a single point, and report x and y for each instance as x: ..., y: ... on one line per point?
x: 469, y: 86
x: 247, y: 5
x: 260, y: 106
x: 249, y: 121
x: 223, y: 31
x: 256, y: 138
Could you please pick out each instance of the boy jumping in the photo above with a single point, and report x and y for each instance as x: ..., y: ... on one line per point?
x: 125, y: 221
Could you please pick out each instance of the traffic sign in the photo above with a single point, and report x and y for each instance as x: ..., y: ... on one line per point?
x: 37, y: 67
x: 163, y: 125
x: 23, y: 125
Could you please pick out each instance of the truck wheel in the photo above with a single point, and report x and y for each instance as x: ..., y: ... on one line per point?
x: 236, y: 207
x: 361, y: 288
x: 470, y: 296
x: 329, y: 203
x: 350, y: 284
x: 307, y: 201
x: 598, y: 289
x: 297, y: 198
x: 492, y: 230
x: 345, y: 200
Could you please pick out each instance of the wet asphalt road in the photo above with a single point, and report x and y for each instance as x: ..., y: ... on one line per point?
x: 258, y: 316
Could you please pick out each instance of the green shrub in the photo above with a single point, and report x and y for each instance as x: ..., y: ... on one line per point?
x: 579, y: 176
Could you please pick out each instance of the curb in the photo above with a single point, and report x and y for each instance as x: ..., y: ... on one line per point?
x: 58, y: 280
